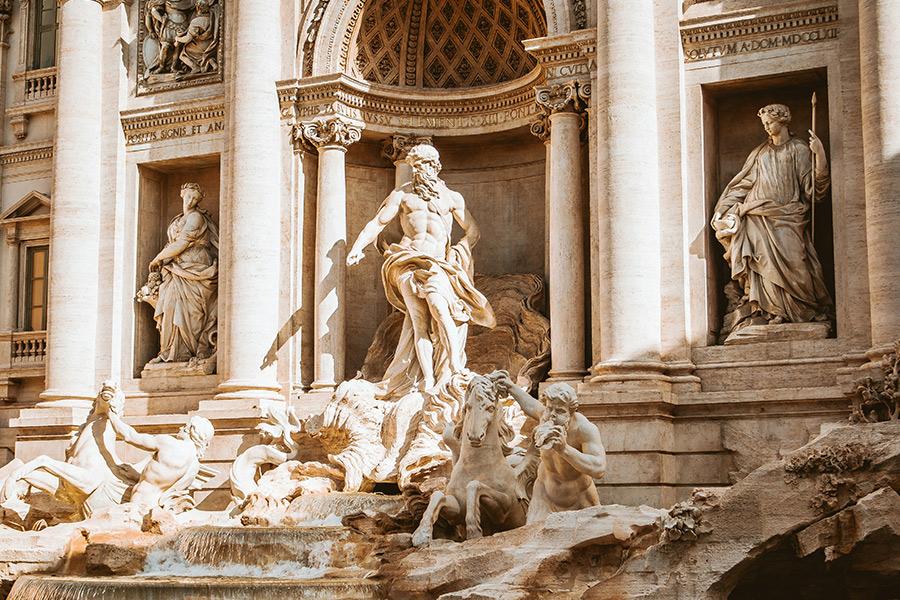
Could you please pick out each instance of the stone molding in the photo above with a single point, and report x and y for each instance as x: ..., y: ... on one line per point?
x: 564, y: 57
x: 572, y: 96
x: 172, y: 121
x: 387, y: 110
x: 720, y: 36
x: 19, y: 154
x: 396, y: 146
x: 329, y: 131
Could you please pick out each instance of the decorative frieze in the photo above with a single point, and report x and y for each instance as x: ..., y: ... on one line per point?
x: 491, y: 108
x: 329, y: 130
x: 180, y: 44
x: 753, y: 33
x: 170, y: 121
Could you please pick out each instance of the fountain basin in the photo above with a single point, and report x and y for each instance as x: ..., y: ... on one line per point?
x: 36, y: 587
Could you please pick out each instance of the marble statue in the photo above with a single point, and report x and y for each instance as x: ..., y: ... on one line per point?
x: 277, y: 431
x: 91, y: 478
x: 483, y: 493
x: 426, y: 277
x: 762, y: 219
x: 170, y: 474
x: 182, y: 38
x: 571, y: 453
x: 182, y: 286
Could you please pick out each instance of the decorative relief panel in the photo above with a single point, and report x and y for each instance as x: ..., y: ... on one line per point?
x: 463, y: 43
x: 180, y: 44
x: 753, y: 33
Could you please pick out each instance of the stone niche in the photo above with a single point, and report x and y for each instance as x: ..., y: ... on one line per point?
x: 732, y: 130
x: 501, y: 177
x: 159, y: 203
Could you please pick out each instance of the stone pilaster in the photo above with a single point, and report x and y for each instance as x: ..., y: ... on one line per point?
x: 628, y: 191
x: 564, y: 104
x: 75, y: 211
x: 10, y: 266
x: 395, y: 149
x: 248, y: 319
x: 879, y: 21
x: 331, y: 135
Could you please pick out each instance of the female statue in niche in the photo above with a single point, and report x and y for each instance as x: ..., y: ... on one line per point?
x: 762, y: 219
x: 183, y: 282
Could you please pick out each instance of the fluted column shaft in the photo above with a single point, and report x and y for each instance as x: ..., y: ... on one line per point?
x: 250, y: 312
x: 629, y: 257
x: 565, y: 104
x: 879, y: 21
x: 75, y: 212
x: 331, y: 135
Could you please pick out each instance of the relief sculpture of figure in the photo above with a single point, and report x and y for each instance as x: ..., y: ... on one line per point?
x: 427, y: 277
x: 762, y: 219
x: 183, y: 282
x: 571, y: 454
x: 199, y: 44
x: 183, y: 37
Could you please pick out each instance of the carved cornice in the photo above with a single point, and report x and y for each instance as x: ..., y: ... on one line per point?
x: 14, y: 155
x: 719, y: 36
x: 387, y: 110
x: 173, y: 121
x: 329, y: 131
x: 567, y: 56
x: 396, y: 146
x: 572, y: 96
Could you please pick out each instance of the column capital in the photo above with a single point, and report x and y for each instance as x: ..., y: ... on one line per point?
x: 396, y: 146
x: 328, y: 130
x: 540, y: 127
x: 571, y: 96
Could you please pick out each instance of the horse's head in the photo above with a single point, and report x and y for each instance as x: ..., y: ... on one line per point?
x: 480, y: 411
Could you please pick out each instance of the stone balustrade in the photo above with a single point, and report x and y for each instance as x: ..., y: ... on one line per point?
x: 40, y: 84
x: 28, y: 347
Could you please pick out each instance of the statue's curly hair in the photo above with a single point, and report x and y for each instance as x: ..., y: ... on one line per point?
x: 779, y: 112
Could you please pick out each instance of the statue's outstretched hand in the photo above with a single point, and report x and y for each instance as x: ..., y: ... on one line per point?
x: 355, y: 257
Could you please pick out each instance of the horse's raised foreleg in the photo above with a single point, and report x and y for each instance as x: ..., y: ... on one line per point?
x: 497, y: 503
x: 438, y: 502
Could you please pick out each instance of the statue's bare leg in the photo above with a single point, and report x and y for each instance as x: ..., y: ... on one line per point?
x: 418, y: 315
x: 496, y: 503
x: 440, y: 312
x: 438, y: 502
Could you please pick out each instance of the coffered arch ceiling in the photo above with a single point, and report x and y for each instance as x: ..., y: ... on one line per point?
x: 444, y: 43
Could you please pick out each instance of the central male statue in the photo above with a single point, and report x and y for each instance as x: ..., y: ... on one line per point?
x: 427, y: 277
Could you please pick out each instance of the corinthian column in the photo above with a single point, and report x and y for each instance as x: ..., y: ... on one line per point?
x: 249, y: 319
x: 75, y: 210
x: 628, y: 194
x: 331, y: 135
x: 565, y: 104
x: 395, y: 149
x: 879, y: 21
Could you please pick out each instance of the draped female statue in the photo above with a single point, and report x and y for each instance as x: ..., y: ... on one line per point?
x: 183, y: 284
x: 762, y: 220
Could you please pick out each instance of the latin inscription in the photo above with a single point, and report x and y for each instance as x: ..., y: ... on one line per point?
x: 147, y: 136
x: 773, y: 42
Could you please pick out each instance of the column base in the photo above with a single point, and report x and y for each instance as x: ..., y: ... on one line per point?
x: 650, y: 374
x: 321, y: 387
x: 566, y: 375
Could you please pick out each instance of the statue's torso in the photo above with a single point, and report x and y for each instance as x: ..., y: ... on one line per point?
x: 427, y: 224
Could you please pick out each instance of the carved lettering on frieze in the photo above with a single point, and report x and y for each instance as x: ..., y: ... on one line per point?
x: 769, y: 32
x: 166, y: 125
x: 180, y: 44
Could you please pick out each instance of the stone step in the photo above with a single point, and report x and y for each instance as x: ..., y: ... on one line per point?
x: 35, y: 587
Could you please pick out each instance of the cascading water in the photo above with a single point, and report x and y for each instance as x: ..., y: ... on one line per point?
x: 314, y: 561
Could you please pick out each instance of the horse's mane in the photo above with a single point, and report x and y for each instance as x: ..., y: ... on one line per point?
x: 482, y: 386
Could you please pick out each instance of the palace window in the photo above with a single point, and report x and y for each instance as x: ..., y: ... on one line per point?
x: 36, y: 265
x: 44, y: 34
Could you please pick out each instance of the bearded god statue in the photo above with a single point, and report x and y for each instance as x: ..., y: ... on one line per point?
x: 763, y: 221
x: 426, y: 277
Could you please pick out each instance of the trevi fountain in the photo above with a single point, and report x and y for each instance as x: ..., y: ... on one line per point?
x: 457, y: 300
